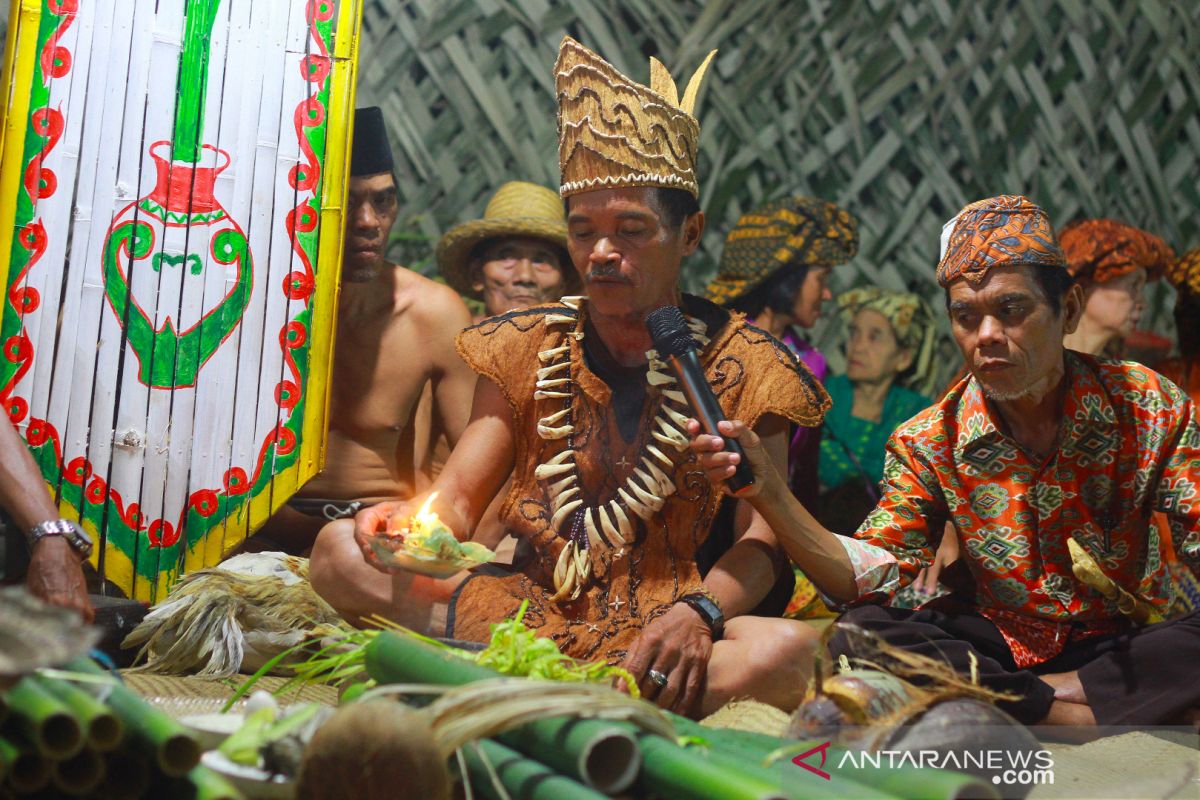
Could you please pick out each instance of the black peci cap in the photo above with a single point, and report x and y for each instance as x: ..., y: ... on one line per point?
x: 370, y: 153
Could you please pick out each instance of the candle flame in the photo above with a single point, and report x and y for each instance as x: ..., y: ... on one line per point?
x: 424, y: 517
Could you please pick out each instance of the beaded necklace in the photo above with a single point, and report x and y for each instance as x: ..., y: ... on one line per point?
x: 594, y: 531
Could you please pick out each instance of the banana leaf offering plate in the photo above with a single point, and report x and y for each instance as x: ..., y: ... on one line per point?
x: 427, y: 547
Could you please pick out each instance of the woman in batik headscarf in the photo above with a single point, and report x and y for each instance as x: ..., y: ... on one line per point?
x: 1112, y: 261
x: 775, y: 270
x: 889, y: 358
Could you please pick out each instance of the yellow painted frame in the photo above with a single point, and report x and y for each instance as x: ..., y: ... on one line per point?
x: 20, y: 59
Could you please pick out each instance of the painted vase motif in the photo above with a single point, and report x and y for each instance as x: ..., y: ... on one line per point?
x: 156, y: 256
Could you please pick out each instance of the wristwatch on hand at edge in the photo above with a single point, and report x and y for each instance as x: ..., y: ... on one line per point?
x: 80, y: 542
x: 705, y: 604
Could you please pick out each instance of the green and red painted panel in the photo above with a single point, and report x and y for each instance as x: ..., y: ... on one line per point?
x: 165, y: 349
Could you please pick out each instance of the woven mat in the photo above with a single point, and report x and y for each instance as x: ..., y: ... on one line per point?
x: 1124, y: 767
x: 180, y: 696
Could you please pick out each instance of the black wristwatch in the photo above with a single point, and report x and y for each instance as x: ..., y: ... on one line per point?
x: 708, y: 610
x: 80, y: 542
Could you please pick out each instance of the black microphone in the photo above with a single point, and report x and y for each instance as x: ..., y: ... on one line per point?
x: 674, y: 343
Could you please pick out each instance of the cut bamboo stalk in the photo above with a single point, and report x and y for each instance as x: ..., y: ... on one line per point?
x: 523, y: 778
x: 600, y: 755
x: 45, y: 721
x: 209, y: 785
x: 28, y: 771
x: 102, y: 729
x: 175, y: 751
x: 80, y: 774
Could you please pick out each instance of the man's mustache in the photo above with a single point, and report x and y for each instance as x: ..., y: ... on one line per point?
x: 610, y: 273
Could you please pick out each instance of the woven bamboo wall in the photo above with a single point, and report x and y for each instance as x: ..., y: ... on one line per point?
x: 901, y: 110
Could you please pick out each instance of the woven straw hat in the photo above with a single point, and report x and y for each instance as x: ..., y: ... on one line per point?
x: 794, y: 231
x: 517, y: 209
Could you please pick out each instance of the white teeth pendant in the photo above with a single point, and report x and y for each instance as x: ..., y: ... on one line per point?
x: 675, y: 396
x: 655, y: 378
x: 647, y: 499
x: 546, y: 372
x: 551, y: 434
x: 679, y: 419
x: 665, y: 485
x: 624, y: 524
x: 589, y: 525
x: 572, y: 301
x: 564, y: 512
x: 633, y: 505
x: 563, y: 498
x: 555, y: 489
x: 541, y: 395
x: 559, y: 319
x: 545, y: 471
x: 546, y: 356
x: 660, y: 455
x: 608, y: 528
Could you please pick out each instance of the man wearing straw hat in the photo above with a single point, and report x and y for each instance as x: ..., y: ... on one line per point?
x: 516, y: 256
x: 1053, y: 466
x: 395, y: 341
x: 587, y: 424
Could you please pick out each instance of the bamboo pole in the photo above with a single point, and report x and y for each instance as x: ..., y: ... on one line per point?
x: 80, y: 774
x: 523, y: 778
x: 101, y: 726
x: 44, y: 721
x: 175, y: 750
x: 28, y: 771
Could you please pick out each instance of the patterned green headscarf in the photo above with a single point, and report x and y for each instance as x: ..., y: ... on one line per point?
x: 911, y: 321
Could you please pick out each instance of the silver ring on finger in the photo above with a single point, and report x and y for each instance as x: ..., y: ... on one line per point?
x: 659, y: 679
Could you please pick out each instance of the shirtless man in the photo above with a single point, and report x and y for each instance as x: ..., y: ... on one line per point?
x: 395, y: 337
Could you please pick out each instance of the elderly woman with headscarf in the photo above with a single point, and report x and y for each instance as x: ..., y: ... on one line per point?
x: 1112, y: 261
x: 889, y: 359
x: 775, y: 270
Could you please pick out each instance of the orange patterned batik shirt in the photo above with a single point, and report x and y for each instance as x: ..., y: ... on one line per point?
x: 1129, y: 445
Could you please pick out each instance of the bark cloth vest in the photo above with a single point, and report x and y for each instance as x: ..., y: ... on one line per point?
x: 750, y: 372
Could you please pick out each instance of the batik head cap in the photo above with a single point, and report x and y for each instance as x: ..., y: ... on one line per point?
x: 1100, y: 250
x: 792, y: 232
x: 1184, y: 274
x: 613, y: 132
x: 1003, y: 231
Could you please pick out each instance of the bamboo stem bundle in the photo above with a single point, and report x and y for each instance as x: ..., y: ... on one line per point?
x: 522, y: 778
x: 601, y: 755
x: 175, y: 751
x: 101, y: 726
x: 43, y: 720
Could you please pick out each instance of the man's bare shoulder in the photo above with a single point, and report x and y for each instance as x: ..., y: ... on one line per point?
x: 427, y: 299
